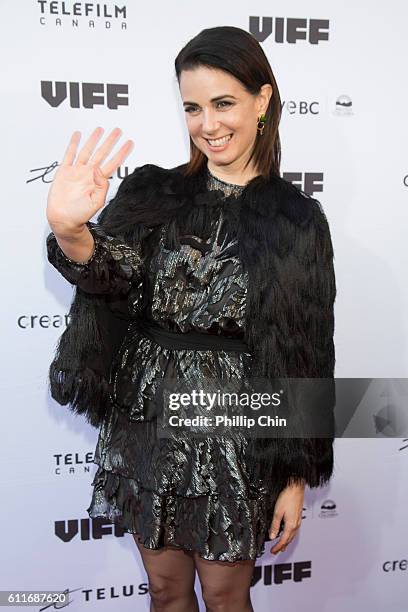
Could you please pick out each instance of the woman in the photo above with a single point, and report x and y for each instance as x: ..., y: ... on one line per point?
x: 216, y: 268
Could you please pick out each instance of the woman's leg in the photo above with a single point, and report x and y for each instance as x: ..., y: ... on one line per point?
x: 225, y: 586
x: 171, y: 575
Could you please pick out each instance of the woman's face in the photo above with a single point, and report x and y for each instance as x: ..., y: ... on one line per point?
x: 216, y: 106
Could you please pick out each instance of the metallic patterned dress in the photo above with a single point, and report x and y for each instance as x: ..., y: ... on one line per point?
x: 187, y: 492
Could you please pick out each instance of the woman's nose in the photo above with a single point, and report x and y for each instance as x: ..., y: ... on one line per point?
x: 209, y: 122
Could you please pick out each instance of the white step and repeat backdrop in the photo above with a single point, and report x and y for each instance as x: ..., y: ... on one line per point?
x: 343, y: 133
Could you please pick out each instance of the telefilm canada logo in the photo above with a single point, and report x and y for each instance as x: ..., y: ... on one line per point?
x: 73, y: 463
x: 289, y: 29
x: 83, y: 14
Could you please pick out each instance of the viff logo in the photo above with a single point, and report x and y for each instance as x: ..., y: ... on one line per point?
x: 289, y: 29
x: 85, y: 95
x: 86, y: 529
x: 281, y: 572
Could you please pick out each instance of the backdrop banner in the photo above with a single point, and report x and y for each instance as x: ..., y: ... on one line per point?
x: 77, y: 65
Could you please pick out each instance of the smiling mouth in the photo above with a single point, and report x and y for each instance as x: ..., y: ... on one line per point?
x: 228, y: 136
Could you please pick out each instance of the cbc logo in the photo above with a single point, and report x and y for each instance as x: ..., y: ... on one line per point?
x: 301, y: 107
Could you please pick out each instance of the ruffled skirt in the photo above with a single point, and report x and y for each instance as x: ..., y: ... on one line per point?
x: 194, y: 494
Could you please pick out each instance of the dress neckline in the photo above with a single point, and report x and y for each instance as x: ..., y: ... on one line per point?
x: 217, y: 184
x: 223, y: 182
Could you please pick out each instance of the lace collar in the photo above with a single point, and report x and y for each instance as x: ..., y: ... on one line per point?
x: 216, y: 184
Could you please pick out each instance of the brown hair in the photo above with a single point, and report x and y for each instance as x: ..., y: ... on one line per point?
x: 236, y: 51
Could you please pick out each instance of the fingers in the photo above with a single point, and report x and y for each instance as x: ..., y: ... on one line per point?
x: 71, y: 150
x: 275, y: 525
x: 103, y: 151
x: 111, y: 166
x: 287, y: 536
x: 87, y: 150
x: 87, y: 154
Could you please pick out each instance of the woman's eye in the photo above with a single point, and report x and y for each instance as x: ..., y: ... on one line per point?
x: 190, y: 109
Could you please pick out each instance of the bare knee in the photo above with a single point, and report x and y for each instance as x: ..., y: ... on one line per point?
x: 162, y: 593
x: 222, y: 600
x: 165, y: 592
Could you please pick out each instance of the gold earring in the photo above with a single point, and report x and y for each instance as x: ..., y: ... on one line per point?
x: 261, y: 124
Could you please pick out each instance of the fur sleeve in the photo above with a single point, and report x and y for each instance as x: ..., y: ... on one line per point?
x: 297, y: 343
x: 79, y: 374
x: 317, y: 293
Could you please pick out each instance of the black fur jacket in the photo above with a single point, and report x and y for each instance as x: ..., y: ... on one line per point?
x: 284, y: 244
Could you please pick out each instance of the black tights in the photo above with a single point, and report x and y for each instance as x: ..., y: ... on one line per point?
x: 171, y: 574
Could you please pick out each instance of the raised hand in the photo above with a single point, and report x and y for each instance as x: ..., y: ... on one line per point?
x: 80, y: 185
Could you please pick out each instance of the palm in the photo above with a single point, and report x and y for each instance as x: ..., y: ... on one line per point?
x: 81, y: 183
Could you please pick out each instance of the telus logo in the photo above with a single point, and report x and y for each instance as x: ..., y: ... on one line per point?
x: 289, y: 29
x: 86, y: 95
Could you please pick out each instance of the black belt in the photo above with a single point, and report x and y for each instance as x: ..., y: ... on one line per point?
x: 192, y: 340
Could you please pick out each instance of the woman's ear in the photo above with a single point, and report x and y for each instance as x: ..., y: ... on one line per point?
x: 264, y: 97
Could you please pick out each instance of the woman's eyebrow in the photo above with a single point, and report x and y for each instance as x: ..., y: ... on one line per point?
x: 214, y: 99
